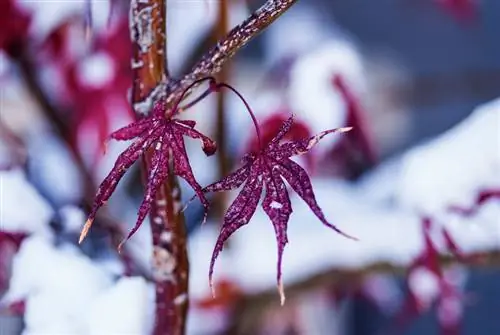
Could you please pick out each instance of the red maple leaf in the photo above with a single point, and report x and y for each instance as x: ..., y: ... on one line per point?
x: 465, y: 10
x: 10, y: 243
x: 14, y: 26
x: 482, y: 197
x: 428, y: 259
x: 164, y: 135
x: 272, y: 124
x: 228, y: 294
x: 269, y: 167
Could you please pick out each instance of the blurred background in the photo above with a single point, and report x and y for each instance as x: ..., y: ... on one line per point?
x: 417, y: 180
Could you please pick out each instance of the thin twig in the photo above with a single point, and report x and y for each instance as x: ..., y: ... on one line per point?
x: 211, y: 63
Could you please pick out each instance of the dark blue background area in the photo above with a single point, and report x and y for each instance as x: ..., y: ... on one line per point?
x: 482, y: 313
x: 455, y: 64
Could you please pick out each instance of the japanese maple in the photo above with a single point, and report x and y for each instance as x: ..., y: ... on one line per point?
x: 268, y: 168
x: 163, y: 134
x: 270, y: 125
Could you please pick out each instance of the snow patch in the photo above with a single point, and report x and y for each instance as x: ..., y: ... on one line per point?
x: 59, y: 285
x: 125, y: 308
x: 22, y: 209
x: 97, y: 70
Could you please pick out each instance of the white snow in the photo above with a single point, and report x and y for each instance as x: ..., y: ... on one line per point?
x: 67, y: 293
x: 59, y: 280
x: 312, y: 95
x: 424, y: 284
x: 49, y: 14
x: 452, y: 168
x: 125, y: 308
x: 295, y: 33
x: 51, y: 166
x: 96, y: 70
x: 73, y: 218
x: 22, y: 209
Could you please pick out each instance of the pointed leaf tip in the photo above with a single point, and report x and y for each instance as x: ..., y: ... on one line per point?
x: 345, y: 129
x: 120, y: 246
x: 85, y: 230
x: 281, y: 291
x: 212, y: 289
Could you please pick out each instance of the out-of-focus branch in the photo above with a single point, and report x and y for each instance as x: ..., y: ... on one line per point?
x: 55, y: 118
x: 213, y: 61
x: 170, y: 262
x: 248, y: 310
x: 15, y: 145
x: 62, y: 128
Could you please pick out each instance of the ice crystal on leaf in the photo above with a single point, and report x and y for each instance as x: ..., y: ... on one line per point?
x: 268, y: 168
x: 164, y: 136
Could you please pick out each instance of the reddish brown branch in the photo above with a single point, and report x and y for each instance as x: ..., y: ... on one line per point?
x: 170, y: 262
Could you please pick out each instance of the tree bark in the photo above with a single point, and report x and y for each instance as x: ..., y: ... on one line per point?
x: 169, y: 261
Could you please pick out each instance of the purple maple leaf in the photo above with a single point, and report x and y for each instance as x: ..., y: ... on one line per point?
x: 269, y: 168
x: 164, y: 135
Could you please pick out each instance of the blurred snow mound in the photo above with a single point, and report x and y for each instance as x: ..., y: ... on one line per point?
x: 58, y: 284
x: 311, y: 92
x: 68, y: 293
x: 125, y: 308
x: 454, y: 167
x: 22, y: 209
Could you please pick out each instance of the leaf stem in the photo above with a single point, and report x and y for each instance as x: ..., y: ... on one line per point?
x: 178, y: 109
x: 250, y: 111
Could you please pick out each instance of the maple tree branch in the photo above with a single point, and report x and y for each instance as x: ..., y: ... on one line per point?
x: 169, y: 261
x: 213, y: 61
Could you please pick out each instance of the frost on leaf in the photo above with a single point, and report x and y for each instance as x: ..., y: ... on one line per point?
x: 268, y: 169
x: 164, y: 136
